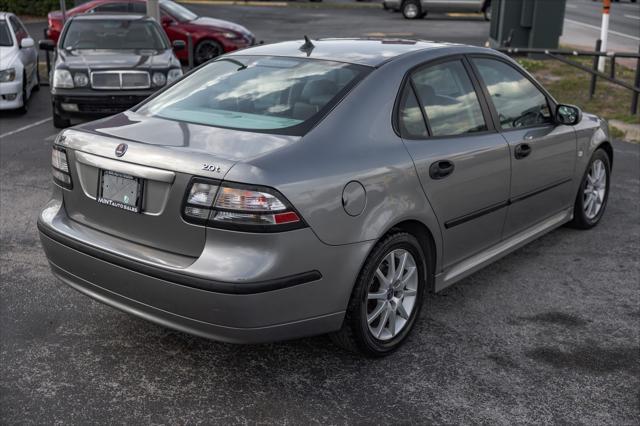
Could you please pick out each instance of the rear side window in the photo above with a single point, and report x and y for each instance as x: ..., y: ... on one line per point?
x: 411, y: 121
x: 271, y: 94
x: 517, y: 100
x: 448, y: 99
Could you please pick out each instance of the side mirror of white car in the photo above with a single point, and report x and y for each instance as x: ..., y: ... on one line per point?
x: 27, y: 42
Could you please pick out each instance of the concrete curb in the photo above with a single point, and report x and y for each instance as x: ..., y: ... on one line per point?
x: 631, y: 131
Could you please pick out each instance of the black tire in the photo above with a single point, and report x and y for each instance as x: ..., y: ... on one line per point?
x: 580, y: 218
x: 36, y: 87
x: 206, y: 50
x: 25, y: 105
x: 59, y: 122
x: 355, y: 335
x: 411, y: 9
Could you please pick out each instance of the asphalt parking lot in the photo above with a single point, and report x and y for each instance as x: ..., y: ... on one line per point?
x: 549, y: 334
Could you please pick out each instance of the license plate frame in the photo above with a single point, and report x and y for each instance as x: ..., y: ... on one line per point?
x: 121, y: 184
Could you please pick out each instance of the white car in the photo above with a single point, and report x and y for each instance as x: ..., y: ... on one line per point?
x: 18, y: 63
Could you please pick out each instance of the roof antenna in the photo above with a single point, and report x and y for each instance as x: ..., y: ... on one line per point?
x: 307, y: 47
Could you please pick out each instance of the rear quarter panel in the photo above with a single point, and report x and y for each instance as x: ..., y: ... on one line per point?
x: 356, y: 141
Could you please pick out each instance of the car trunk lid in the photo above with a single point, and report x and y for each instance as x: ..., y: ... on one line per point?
x: 163, y: 155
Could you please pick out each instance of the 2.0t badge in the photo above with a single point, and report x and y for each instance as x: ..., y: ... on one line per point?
x: 121, y: 149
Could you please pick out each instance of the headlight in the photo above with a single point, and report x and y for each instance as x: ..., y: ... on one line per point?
x: 62, y: 79
x: 7, y: 75
x: 80, y: 79
x: 230, y: 35
x: 174, y: 74
x: 159, y: 79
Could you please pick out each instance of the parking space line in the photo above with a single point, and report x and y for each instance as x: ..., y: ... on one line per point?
x: 27, y: 127
x: 598, y: 29
x: 626, y: 15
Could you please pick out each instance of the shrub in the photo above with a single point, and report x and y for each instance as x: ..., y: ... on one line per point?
x: 32, y: 7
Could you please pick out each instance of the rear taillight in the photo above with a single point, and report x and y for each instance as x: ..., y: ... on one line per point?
x: 239, y: 207
x: 60, y: 167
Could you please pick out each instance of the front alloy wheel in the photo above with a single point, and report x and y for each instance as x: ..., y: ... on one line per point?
x: 386, y: 298
x: 594, y: 190
x: 593, y: 194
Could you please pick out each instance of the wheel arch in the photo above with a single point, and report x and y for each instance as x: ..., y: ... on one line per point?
x: 426, y: 240
x: 608, y: 148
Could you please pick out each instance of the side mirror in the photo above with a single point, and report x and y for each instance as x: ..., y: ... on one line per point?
x: 47, y: 45
x: 179, y: 45
x: 27, y: 42
x: 167, y: 20
x: 569, y: 115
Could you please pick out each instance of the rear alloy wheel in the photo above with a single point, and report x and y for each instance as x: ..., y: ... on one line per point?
x: 411, y: 9
x: 386, y: 299
x: 593, y: 194
x: 205, y: 50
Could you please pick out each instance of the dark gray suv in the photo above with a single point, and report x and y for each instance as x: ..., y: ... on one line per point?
x: 318, y: 187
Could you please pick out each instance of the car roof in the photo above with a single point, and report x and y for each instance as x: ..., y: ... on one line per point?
x: 364, y: 51
x: 115, y: 16
x: 3, y: 15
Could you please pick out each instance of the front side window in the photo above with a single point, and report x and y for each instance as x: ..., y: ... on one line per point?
x: 256, y: 93
x: 114, y: 34
x: 517, y: 100
x: 5, y: 36
x: 449, y: 100
x: 18, y: 29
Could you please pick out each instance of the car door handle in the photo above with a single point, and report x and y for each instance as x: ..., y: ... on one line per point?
x: 523, y: 150
x: 441, y: 169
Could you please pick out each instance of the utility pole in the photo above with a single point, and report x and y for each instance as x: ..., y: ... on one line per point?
x: 153, y: 9
x: 604, y: 32
x: 63, y: 9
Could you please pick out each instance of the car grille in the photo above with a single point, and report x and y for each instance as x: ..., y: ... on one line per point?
x: 120, y: 80
x: 114, y: 106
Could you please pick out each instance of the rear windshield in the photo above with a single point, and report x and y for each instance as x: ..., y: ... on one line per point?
x: 113, y: 34
x: 269, y: 94
x: 5, y: 37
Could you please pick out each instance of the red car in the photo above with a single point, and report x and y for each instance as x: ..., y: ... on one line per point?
x: 210, y: 37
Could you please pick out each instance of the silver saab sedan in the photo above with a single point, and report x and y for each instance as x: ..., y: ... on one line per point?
x: 321, y: 186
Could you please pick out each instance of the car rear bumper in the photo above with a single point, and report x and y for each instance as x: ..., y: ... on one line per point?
x: 96, y: 103
x: 290, y: 306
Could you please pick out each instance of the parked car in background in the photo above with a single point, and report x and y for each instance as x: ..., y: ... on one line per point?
x: 18, y: 64
x: 106, y: 63
x: 210, y: 37
x: 318, y: 187
x: 414, y: 9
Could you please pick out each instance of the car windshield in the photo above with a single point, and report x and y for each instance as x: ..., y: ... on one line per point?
x: 178, y: 12
x: 276, y: 95
x: 5, y: 37
x: 113, y: 34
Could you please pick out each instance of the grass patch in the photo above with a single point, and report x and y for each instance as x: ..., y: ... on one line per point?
x: 571, y: 85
